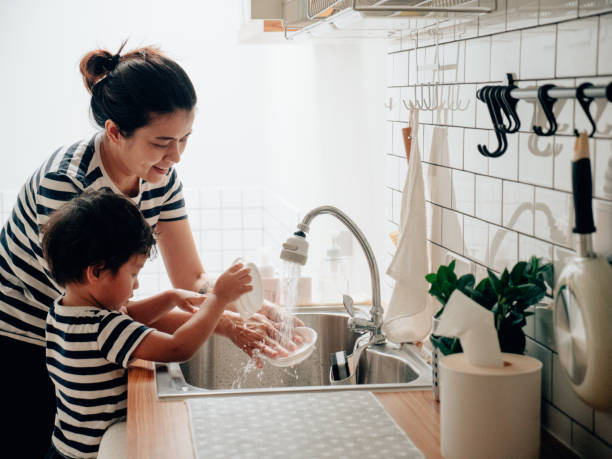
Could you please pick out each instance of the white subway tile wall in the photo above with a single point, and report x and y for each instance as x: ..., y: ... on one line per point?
x: 488, y: 213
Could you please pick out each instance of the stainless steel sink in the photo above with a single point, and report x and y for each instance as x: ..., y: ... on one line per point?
x: 220, y: 368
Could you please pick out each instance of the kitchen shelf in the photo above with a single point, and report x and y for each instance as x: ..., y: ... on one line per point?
x: 371, y: 18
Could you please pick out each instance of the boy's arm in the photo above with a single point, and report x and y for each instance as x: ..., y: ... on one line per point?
x: 186, y: 340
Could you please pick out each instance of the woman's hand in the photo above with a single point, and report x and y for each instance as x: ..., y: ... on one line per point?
x: 279, y: 314
x: 261, y: 332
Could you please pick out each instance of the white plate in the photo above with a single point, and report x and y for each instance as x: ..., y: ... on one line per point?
x: 302, y: 352
x: 251, y: 302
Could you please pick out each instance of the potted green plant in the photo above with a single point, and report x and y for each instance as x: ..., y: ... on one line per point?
x: 507, y: 296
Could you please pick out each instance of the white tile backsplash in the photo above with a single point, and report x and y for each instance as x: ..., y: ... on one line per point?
x: 522, y: 13
x: 463, y: 192
x: 400, y: 69
x: 506, y: 165
x: 602, y: 213
x: 564, y: 397
x: 536, y: 159
x: 465, y: 98
x: 586, y: 444
x: 503, y: 248
x: 437, y: 184
x: 602, y: 187
x: 537, y: 351
x: 476, y: 239
x: 488, y: 197
x: 554, y: 216
x: 538, y: 52
x: 603, y: 425
x: 453, y: 62
x: 492, y: 212
x: 452, y: 230
x: 472, y: 159
x: 577, y: 43
x: 518, y: 199
x: 604, y: 63
x: 505, y: 55
x: 529, y: 247
x: 477, y: 59
x: 557, y: 423
x: 434, y: 222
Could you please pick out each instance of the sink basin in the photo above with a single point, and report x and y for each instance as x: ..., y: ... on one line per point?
x: 220, y: 368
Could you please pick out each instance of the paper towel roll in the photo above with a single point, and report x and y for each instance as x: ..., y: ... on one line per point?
x: 490, y: 412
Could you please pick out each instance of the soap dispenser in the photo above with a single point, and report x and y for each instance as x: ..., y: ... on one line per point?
x: 334, y: 279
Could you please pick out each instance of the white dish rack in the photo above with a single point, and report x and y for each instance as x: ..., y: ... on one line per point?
x: 376, y: 18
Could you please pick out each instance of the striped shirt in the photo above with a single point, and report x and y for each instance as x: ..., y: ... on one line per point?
x: 26, y: 287
x: 88, y: 350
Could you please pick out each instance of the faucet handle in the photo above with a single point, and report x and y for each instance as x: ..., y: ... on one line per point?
x: 347, y: 301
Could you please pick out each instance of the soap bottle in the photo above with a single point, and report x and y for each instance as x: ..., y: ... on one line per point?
x: 334, y: 279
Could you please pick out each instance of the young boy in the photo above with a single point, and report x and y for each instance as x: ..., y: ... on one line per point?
x: 95, y: 245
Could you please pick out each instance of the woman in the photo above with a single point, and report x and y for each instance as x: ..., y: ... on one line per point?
x: 144, y: 102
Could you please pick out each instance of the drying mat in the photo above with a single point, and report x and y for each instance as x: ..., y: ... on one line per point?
x: 307, y: 425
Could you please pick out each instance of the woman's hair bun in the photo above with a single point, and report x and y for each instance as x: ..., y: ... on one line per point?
x: 96, y: 64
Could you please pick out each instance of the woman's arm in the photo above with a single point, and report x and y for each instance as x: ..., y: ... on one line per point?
x: 180, y: 255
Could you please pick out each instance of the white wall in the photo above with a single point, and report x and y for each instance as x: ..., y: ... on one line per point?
x: 303, y: 120
x: 489, y: 213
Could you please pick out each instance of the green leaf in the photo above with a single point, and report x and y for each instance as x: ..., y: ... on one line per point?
x: 494, y: 280
x: 517, y: 272
x: 431, y: 278
x: 445, y: 344
x: 504, y: 280
x: 465, y: 282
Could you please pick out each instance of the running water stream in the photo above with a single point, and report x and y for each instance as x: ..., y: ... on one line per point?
x: 290, y: 274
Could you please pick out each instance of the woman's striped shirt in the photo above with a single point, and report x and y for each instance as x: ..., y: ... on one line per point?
x: 26, y: 288
x: 88, y: 350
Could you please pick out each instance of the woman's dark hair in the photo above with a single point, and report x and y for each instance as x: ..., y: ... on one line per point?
x: 131, y: 89
x: 96, y: 228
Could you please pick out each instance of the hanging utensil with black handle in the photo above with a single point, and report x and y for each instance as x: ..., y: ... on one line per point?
x: 583, y: 299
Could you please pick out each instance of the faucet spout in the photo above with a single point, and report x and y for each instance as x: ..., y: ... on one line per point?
x: 376, y: 312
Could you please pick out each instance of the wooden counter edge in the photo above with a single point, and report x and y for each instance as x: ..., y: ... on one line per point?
x: 156, y: 427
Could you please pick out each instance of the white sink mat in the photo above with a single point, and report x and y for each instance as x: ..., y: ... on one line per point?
x: 306, y: 425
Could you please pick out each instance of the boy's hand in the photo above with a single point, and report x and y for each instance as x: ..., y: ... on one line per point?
x: 232, y: 284
x: 188, y: 300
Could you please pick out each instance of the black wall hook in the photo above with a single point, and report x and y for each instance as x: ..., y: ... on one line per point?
x: 547, y: 103
x: 509, y: 105
x: 487, y: 94
x: 585, y: 103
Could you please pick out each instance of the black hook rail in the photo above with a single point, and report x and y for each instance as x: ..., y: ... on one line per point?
x: 501, y: 102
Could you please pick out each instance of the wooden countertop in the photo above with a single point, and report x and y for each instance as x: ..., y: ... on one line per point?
x: 160, y: 429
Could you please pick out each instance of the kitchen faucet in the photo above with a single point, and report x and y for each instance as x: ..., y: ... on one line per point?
x: 295, y: 249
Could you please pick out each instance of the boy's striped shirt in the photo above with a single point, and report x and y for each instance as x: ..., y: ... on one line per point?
x: 26, y: 288
x: 88, y: 350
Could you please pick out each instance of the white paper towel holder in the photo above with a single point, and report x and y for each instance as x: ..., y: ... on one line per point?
x: 490, y: 412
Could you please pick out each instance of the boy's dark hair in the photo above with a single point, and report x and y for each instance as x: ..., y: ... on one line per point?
x: 96, y: 228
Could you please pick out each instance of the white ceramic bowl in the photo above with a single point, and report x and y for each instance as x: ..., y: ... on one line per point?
x: 249, y: 303
x: 302, y: 352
